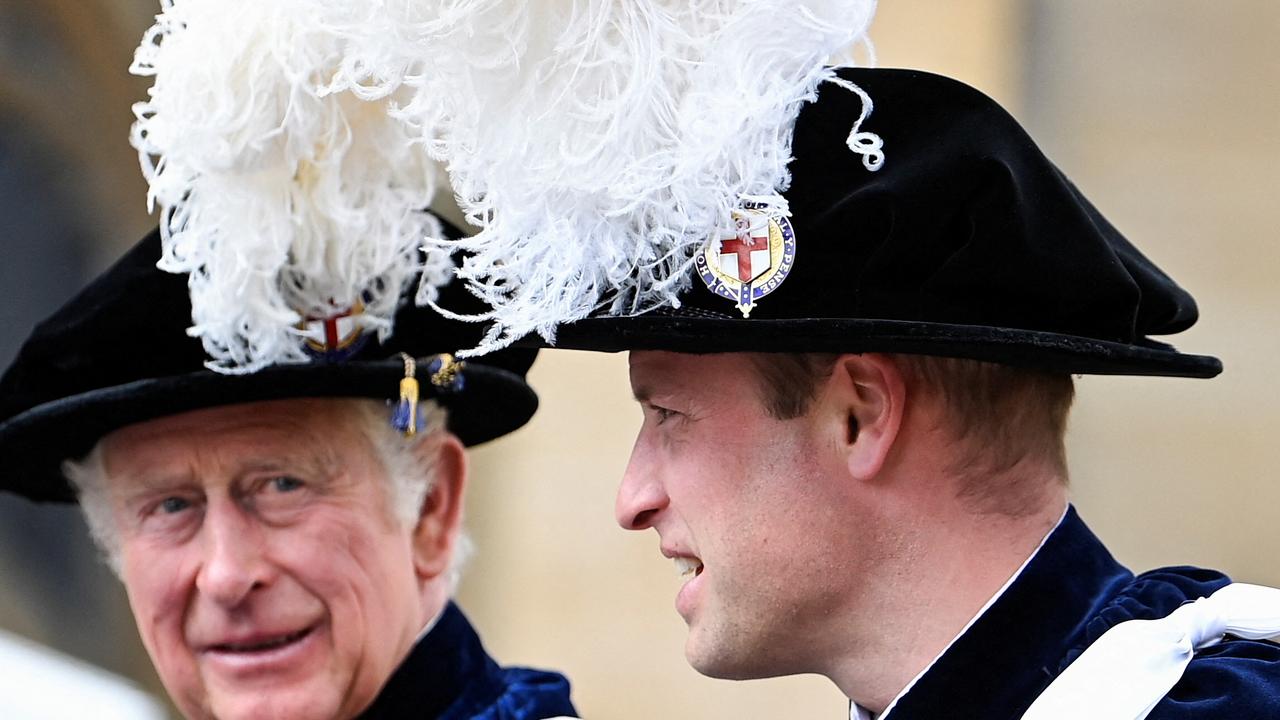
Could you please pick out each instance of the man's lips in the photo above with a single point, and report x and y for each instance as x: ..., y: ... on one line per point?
x: 686, y: 566
x: 686, y: 562
x: 690, y: 569
x: 259, y: 642
x: 262, y: 655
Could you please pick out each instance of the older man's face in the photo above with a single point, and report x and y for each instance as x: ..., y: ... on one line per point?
x: 267, y: 573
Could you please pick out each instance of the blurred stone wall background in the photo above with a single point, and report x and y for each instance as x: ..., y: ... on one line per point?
x: 1162, y: 111
x: 71, y: 200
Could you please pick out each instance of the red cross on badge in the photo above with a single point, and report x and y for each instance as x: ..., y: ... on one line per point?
x: 337, y: 336
x: 333, y: 338
x: 746, y: 255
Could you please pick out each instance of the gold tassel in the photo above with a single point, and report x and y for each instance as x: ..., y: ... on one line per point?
x: 405, y: 418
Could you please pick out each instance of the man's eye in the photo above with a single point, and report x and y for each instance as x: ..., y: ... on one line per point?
x: 663, y: 414
x: 278, y: 498
x: 285, y: 484
x: 169, y: 513
x: 172, y: 505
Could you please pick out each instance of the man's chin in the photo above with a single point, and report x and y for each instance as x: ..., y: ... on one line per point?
x: 723, y: 669
x: 715, y: 660
x: 730, y: 660
x: 295, y: 704
x: 313, y: 697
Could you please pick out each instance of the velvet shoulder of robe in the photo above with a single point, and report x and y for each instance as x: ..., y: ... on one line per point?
x: 1066, y: 597
x: 449, y: 676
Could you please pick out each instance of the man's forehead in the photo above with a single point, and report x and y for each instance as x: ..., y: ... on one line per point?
x: 650, y: 370
x: 294, y: 427
x: 659, y: 371
x: 285, y: 414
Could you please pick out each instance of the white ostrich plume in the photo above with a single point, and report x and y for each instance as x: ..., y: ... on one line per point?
x: 598, y: 143
x: 287, y: 187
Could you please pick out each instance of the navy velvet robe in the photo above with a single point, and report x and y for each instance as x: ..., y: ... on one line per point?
x: 449, y: 676
x: 1070, y: 593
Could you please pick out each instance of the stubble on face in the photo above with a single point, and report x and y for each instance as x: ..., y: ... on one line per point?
x: 757, y: 497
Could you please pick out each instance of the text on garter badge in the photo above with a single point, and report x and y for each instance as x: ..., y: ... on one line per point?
x: 752, y: 262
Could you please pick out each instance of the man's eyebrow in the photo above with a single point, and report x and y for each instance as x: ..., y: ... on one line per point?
x: 146, y: 482
x: 642, y: 394
x: 311, y: 453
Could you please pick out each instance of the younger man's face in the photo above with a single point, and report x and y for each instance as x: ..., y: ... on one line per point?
x: 750, y: 505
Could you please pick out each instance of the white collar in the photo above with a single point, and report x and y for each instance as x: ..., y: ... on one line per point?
x: 430, y: 624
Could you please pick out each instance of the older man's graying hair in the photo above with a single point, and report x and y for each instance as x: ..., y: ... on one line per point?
x: 410, y: 480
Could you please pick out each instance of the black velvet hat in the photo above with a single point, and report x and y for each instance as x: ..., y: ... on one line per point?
x: 967, y: 242
x: 118, y: 353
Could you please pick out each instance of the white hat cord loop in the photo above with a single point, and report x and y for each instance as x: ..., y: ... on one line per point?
x: 867, y: 144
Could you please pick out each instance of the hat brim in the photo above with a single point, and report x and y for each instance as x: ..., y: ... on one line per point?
x: 1052, y: 352
x: 34, y: 443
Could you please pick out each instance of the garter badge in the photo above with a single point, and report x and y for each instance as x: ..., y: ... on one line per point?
x: 337, y: 337
x: 752, y: 262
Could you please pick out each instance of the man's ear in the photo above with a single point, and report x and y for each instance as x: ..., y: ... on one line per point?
x: 435, y: 538
x: 872, y: 395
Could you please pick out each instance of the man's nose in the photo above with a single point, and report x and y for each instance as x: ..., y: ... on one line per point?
x: 234, y: 562
x: 641, y: 495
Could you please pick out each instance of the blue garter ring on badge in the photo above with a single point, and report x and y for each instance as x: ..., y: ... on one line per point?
x: 752, y: 262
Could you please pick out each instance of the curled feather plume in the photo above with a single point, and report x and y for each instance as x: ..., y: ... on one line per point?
x: 597, y: 143
x: 287, y: 186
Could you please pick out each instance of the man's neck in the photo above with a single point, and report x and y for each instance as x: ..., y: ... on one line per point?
x: 956, y: 565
